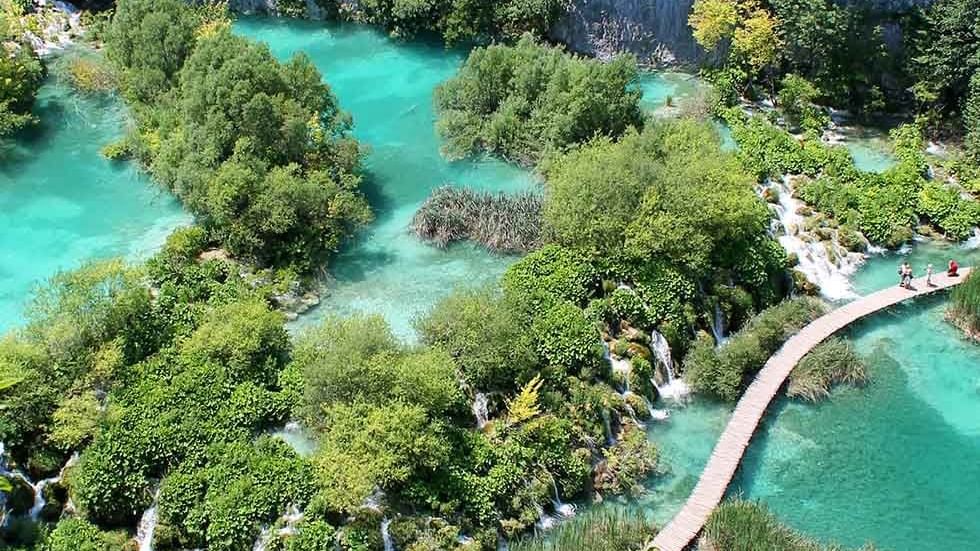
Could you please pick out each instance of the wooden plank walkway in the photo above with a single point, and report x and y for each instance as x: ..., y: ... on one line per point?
x: 711, y: 487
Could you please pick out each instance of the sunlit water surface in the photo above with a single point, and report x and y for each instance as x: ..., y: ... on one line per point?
x: 61, y: 203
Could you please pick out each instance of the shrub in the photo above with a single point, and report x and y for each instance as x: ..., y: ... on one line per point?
x: 524, y: 101
x: 502, y: 223
x: 483, y: 334
x: 21, y: 74
x: 564, y: 337
x: 90, y: 75
x: 723, y: 372
x: 830, y: 363
x: 548, y: 276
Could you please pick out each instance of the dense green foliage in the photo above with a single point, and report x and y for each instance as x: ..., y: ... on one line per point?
x: 724, y: 372
x: 608, y: 529
x: 21, y: 72
x: 964, y: 308
x: 525, y: 101
x: 461, y: 20
x: 743, y: 525
x: 669, y: 214
x: 886, y: 207
x: 258, y: 150
x: 830, y: 363
x: 503, y: 223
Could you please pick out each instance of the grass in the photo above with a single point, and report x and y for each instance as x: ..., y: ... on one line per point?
x: 739, y: 525
x: 830, y: 363
x: 502, y: 223
x: 606, y: 529
x: 964, y: 307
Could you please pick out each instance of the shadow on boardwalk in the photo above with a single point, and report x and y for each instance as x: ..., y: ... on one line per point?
x: 710, y: 489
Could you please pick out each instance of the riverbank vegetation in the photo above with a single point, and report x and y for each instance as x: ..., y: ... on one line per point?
x: 738, y: 525
x: 21, y: 71
x: 725, y: 371
x: 611, y: 529
x: 541, y: 101
x: 964, y: 308
x: 455, y: 21
x: 830, y: 363
x: 502, y: 223
x: 258, y: 150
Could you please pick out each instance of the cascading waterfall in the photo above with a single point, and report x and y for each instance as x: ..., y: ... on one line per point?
x: 563, y: 509
x: 815, y: 256
x: 674, y: 387
x: 718, y: 325
x: 148, y: 525
x: 290, y: 519
x: 480, y: 409
x: 974, y: 241
x: 386, y: 535
x: 38, y: 488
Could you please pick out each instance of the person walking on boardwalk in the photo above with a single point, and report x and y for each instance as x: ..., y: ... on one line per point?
x: 954, y: 269
x: 906, y: 273
x: 929, y: 275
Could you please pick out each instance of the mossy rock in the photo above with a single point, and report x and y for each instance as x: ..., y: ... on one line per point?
x: 633, y: 334
x: 824, y: 234
x: 804, y: 211
x: 638, y: 350
x: 55, y: 496
x: 792, y: 260
x: 20, y: 498
x: 640, y: 408
x: 804, y: 285
x: 770, y: 195
x: 852, y: 240
x: 620, y: 347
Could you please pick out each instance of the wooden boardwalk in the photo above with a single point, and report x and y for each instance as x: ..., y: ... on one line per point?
x: 710, y: 489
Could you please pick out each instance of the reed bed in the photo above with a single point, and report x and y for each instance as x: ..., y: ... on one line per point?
x: 740, y: 525
x: 500, y: 222
x: 964, y: 307
x: 606, y: 529
x: 830, y: 363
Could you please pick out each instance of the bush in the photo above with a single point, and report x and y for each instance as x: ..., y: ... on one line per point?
x: 21, y: 74
x: 564, y: 337
x: 525, y: 101
x: 90, y: 75
x: 723, y: 372
x: 829, y: 363
x: 547, y: 276
x: 502, y: 223
x: 483, y: 334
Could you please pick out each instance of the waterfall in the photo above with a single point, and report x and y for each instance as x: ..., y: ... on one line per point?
x: 38, y: 488
x: 545, y: 521
x: 386, y: 536
x: 674, y: 387
x: 974, y: 241
x: 564, y: 509
x: 480, y: 409
x: 606, y: 426
x: 718, y: 325
x: 824, y: 263
x: 290, y: 519
x: 148, y: 525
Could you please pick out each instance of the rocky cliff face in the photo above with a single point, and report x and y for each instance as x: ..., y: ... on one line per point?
x: 271, y: 7
x: 655, y: 31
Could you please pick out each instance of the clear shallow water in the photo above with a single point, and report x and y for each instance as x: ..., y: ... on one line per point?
x: 61, y: 203
x: 899, y: 459
x: 657, y: 87
x: 387, y: 87
x: 897, y: 462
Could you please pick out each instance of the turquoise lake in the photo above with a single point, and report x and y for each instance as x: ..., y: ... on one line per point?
x: 61, y: 203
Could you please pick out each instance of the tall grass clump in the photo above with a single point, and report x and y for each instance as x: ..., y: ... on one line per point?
x: 964, y: 306
x: 830, y: 363
x: 724, y: 371
x: 500, y: 222
x: 607, y: 529
x: 747, y: 526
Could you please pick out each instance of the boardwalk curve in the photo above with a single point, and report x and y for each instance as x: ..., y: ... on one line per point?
x: 718, y: 473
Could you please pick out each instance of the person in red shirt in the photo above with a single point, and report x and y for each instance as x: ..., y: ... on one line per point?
x: 954, y: 269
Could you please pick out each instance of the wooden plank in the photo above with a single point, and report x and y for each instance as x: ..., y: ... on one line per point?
x: 725, y: 458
